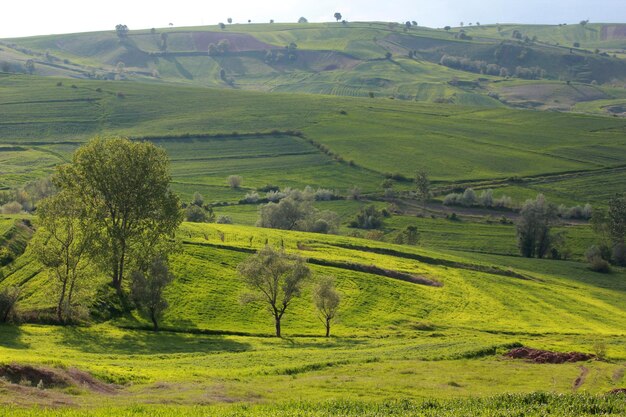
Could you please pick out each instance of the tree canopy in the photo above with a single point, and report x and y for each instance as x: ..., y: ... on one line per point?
x: 276, y: 279
x: 124, y: 189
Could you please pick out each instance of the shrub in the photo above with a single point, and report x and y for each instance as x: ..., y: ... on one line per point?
x: 224, y: 220
x: 453, y: 199
x: 354, y: 193
x: 596, y: 262
x: 197, y: 214
x: 251, y: 198
x: 486, y: 198
x: 12, y: 207
x: 469, y: 197
x: 275, y: 196
x: 268, y: 188
x: 368, y: 218
x: 322, y: 194
x: 235, y: 181
x: 503, y: 202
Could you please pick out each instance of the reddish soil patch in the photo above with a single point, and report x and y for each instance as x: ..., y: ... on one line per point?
x: 53, y: 378
x: 239, y: 42
x: 613, y: 32
x: 545, y: 356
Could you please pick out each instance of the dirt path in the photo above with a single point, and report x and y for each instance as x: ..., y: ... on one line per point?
x: 580, y: 380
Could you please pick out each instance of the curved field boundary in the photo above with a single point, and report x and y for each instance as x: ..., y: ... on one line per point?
x: 433, y: 261
x: 369, y: 269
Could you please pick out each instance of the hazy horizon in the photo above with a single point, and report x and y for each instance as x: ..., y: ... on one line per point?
x: 70, y: 16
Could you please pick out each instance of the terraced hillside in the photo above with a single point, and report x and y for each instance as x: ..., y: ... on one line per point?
x: 354, y: 59
x: 297, y: 140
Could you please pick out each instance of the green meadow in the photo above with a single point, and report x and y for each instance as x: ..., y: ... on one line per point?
x: 393, y: 340
x: 252, y: 134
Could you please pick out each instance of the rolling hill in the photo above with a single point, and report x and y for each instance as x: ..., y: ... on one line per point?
x: 354, y: 59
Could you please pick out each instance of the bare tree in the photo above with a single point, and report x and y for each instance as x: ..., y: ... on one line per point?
x: 276, y: 279
x: 327, y: 301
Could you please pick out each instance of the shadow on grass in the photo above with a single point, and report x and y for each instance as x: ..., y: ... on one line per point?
x: 10, y: 337
x: 143, y: 342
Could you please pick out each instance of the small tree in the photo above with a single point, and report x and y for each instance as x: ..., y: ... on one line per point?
x: 276, y: 279
x: 148, y: 287
x: 533, y: 227
x: 327, y: 301
x: 303, y: 20
x: 287, y: 214
x: 121, y: 31
x: 230, y: 20
x: 221, y: 25
x: 337, y: 16
x: 234, y: 181
x: 223, y: 46
x: 61, y: 245
x: 163, y: 46
x: 9, y: 297
x: 412, y: 235
x: 30, y: 66
x: 422, y: 185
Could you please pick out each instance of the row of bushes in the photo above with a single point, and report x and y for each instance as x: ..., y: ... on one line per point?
x: 469, y: 198
x: 482, y: 67
x: 274, y: 195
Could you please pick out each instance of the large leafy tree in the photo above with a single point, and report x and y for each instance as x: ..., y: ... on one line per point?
x: 275, y: 278
x: 124, y: 188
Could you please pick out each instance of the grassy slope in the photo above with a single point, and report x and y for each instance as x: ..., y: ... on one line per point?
x: 412, y: 337
x: 207, y: 292
x: 496, y: 143
x: 593, y: 35
x: 338, y: 59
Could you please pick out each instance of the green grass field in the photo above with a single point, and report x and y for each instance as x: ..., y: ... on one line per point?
x: 415, y: 338
x: 563, y: 149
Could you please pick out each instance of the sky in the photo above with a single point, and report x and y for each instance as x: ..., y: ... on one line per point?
x: 43, y: 17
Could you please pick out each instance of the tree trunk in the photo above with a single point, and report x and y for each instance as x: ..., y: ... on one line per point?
x: 155, y: 324
x: 60, y: 305
x: 277, y: 326
x: 327, y: 327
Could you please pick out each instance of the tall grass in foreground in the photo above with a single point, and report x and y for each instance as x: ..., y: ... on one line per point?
x: 528, y: 405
